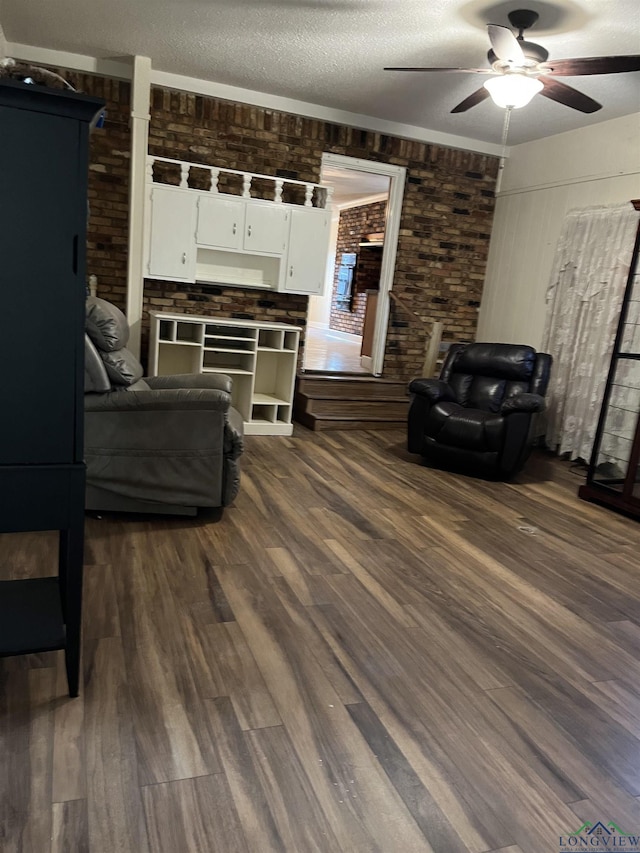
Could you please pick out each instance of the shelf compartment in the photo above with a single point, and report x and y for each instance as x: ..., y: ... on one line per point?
x: 231, y: 371
x: 228, y: 345
x: 30, y: 616
x: 241, y: 344
x: 261, y: 413
x: 283, y: 414
x: 275, y: 376
x: 183, y: 357
x: 189, y: 333
x: 232, y: 360
x: 167, y: 330
x: 270, y: 339
x: 291, y: 341
x: 235, y: 268
x: 236, y: 333
x: 269, y: 399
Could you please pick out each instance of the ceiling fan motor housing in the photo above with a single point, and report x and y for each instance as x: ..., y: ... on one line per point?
x: 534, y: 52
x: 522, y: 19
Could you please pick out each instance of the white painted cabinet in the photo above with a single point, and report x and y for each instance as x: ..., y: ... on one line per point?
x: 220, y: 222
x: 231, y: 223
x: 266, y: 228
x: 260, y: 358
x: 194, y: 235
x: 307, y: 255
x: 172, y: 243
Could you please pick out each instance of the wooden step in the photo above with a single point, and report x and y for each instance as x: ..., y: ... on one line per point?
x: 348, y: 401
x: 350, y: 387
x: 393, y: 408
x: 325, y: 422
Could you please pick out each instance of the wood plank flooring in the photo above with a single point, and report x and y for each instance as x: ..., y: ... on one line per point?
x: 362, y: 655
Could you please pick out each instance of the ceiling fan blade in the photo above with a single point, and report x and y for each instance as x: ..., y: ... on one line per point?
x: 476, y: 98
x: 505, y: 45
x: 471, y: 70
x: 591, y: 65
x: 567, y: 95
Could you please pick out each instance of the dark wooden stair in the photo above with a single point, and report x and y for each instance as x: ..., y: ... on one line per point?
x: 349, y: 401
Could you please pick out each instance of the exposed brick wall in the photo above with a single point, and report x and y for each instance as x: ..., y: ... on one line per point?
x: 445, y: 224
x: 108, y: 227
x: 353, y: 225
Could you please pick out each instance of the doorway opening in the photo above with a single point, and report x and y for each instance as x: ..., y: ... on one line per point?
x: 346, y: 329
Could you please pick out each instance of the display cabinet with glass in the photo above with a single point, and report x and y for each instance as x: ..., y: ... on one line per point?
x: 613, y: 477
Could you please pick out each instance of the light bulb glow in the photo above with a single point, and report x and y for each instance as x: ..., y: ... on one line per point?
x: 513, y: 90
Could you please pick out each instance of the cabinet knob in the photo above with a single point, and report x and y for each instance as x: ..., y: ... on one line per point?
x: 184, y: 257
x: 234, y: 228
x: 249, y: 231
x: 291, y: 271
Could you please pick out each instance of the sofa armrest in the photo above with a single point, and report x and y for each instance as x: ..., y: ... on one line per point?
x: 527, y: 403
x: 214, y: 381
x: 433, y: 389
x: 170, y: 399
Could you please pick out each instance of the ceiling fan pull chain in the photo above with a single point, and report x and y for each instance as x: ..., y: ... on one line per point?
x: 505, y: 133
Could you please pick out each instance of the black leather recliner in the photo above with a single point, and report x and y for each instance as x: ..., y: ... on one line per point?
x: 479, y: 417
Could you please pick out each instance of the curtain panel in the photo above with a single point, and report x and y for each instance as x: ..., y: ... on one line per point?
x: 584, y: 299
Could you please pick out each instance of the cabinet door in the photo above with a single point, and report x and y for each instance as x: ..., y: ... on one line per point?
x: 265, y: 229
x: 308, y: 251
x: 220, y: 222
x: 172, y: 244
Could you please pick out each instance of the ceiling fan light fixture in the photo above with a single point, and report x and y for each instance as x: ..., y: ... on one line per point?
x: 513, y: 90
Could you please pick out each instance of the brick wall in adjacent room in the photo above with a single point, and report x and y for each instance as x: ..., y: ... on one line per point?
x: 444, y: 231
x: 353, y: 226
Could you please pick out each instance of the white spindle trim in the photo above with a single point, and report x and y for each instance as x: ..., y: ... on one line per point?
x: 307, y: 195
x: 328, y: 203
x: 247, y: 178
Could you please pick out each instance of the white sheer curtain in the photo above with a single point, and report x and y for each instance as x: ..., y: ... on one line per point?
x: 583, y: 307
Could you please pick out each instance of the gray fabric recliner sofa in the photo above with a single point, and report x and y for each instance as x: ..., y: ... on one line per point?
x: 165, y: 444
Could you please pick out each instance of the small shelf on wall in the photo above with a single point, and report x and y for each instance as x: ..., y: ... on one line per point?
x: 260, y: 358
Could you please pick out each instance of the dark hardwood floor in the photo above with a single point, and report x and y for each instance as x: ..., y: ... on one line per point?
x: 362, y: 654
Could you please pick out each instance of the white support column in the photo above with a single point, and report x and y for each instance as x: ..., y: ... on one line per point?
x: 140, y: 117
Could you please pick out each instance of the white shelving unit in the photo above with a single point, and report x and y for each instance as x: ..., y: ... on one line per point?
x: 260, y: 358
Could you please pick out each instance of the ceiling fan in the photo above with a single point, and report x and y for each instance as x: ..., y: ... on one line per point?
x: 520, y: 69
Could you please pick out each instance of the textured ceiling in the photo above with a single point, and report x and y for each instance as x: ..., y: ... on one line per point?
x: 331, y: 52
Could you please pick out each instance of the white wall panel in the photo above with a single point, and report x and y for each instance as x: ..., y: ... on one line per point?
x: 542, y: 181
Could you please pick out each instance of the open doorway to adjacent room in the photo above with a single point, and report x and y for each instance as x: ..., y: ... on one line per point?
x: 345, y: 325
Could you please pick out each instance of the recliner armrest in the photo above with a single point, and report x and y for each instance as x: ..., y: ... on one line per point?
x: 528, y: 403
x: 169, y: 399
x: 433, y: 389
x: 215, y: 381
x: 233, y: 434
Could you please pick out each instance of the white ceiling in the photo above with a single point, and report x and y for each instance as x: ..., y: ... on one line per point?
x: 350, y: 186
x: 331, y: 52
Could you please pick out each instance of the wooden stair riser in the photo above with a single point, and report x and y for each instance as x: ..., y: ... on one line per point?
x: 350, y: 402
x: 348, y: 389
x: 320, y: 423
x: 395, y: 410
